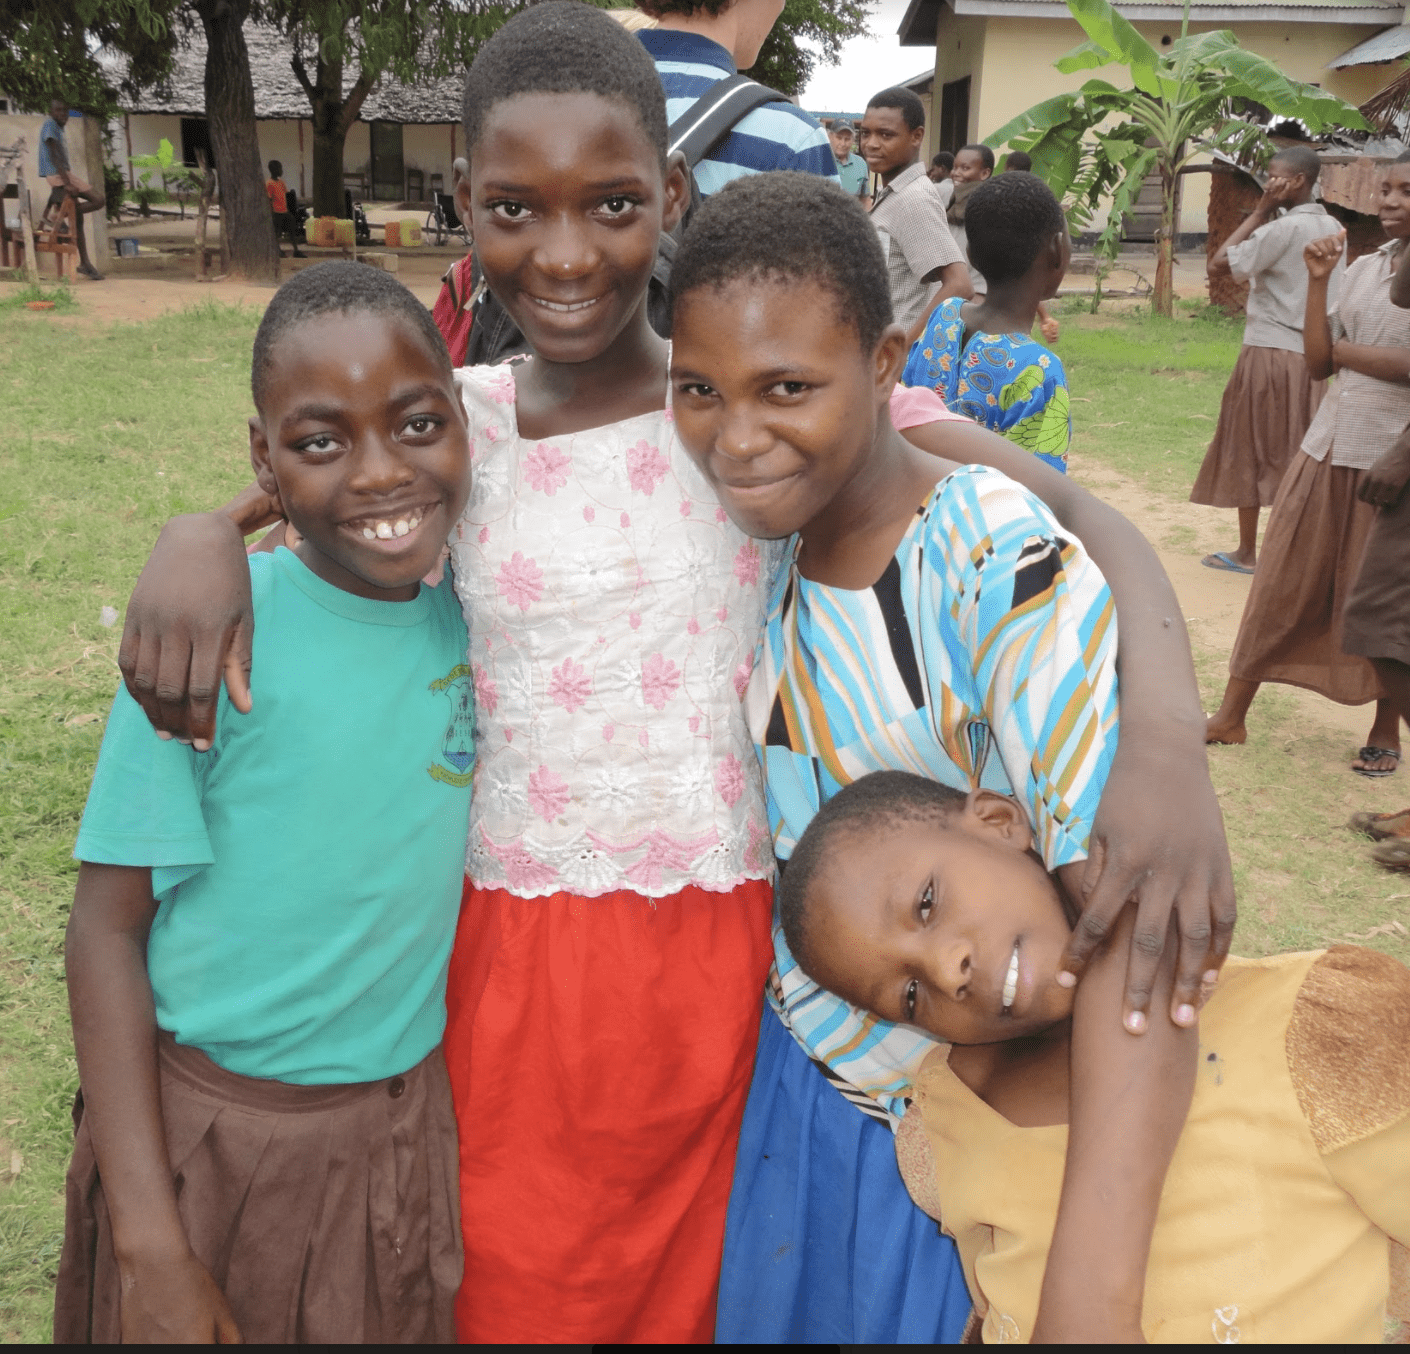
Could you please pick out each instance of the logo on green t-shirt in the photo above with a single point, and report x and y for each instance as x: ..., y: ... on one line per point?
x: 458, y: 746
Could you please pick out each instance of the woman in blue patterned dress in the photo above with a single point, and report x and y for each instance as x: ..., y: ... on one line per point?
x: 934, y: 618
x: 978, y: 356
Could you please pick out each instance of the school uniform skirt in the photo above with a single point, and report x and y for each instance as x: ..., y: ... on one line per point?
x: 824, y: 1245
x: 600, y: 1051
x: 1377, y: 619
x: 1265, y: 413
x: 325, y: 1214
x: 1291, y: 631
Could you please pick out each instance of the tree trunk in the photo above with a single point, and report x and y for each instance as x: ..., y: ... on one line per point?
x: 333, y: 117
x: 1163, y: 297
x: 246, y: 223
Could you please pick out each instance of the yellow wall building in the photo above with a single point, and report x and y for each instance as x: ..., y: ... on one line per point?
x: 994, y: 58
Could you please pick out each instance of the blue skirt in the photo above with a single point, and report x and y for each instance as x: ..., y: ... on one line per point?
x: 822, y: 1242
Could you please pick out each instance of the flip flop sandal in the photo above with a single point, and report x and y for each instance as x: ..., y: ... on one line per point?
x: 1394, y: 854
x: 1374, y: 754
x: 1381, y: 826
x: 1224, y: 561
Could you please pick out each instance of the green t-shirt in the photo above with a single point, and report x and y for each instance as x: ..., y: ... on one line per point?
x: 853, y: 173
x: 308, y: 867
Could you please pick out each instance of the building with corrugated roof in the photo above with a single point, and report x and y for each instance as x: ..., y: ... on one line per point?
x: 995, y: 58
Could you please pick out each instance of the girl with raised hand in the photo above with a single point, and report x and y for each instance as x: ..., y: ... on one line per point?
x: 609, y: 968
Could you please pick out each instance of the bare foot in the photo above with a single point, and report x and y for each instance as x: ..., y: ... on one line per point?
x: 1224, y: 731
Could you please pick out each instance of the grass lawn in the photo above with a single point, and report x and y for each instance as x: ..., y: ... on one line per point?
x: 105, y: 433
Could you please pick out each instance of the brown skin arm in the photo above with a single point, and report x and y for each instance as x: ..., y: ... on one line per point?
x: 167, y: 1294
x: 1278, y: 192
x: 1140, y: 849
x: 1129, y: 1099
x: 954, y: 278
x: 1321, y: 259
x: 1391, y: 365
x: 190, y: 621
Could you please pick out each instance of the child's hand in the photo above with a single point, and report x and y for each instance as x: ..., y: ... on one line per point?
x: 1049, y: 327
x: 1159, y: 839
x: 1321, y: 255
x: 175, y: 1302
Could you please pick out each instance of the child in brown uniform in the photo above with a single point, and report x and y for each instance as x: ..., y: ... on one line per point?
x: 1287, y: 1204
x: 1271, y: 396
x: 1292, y: 623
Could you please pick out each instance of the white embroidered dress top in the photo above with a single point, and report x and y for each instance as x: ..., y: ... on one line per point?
x: 614, y: 612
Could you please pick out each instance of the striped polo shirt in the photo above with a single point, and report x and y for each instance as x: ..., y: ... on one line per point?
x: 773, y: 136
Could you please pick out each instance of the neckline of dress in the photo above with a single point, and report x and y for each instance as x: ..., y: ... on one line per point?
x: 665, y: 409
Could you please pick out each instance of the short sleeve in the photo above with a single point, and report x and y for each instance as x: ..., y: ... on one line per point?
x: 1035, y: 622
x: 926, y: 240
x: 915, y: 406
x: 934, y: 357
x: 144, y: 806
x: 1261, y: 250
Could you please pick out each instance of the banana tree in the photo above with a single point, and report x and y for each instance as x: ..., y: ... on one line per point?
x: 1098, y: 144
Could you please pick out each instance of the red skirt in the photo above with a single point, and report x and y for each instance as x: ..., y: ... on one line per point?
x: 600, y: 1053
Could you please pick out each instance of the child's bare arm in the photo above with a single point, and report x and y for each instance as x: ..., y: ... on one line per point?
x: 1321, y: 259
x: 1143, y: 846
x: 1384, y: 364
x: 167, y: 1295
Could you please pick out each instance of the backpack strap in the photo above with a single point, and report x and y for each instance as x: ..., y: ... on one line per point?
x: 714, y: 114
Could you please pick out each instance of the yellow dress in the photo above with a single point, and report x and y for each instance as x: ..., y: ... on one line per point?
x: 1288, y: 1189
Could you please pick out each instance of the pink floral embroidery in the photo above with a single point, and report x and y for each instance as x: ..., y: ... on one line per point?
x: 692, y: 626
x: 569, y: 686
x: 521, y: 870
x: 759, y: 854
x: 491, y: 434
x: 723, y: 614
x: 588, y: 513
x: 520, y: 581
x: 644, y: 740
x: 685, y: 507
x: 626, y: 520
x: 548, y: 794
x: 509, y: 735
x: 746, y: 564
x: 607, y: 732
x: 646, y: 467
x: 659, y: 680
x: 501, y: 388
x: 721, y: 515
x: 484, y: 535
x: 694, y: 723
x: 741, y: 675
x: 486, y: 692
x: 546, y: 468
x: 634, y: 620
x: 664, y: 852
x: 729, y: 779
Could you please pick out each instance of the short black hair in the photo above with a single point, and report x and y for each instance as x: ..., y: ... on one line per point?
x: 986, y: 157
x: 906, y: 100
x: 563, y: 47
x: 276, y: 168
x: 943, y: 159
x: 789, y: 227
x: 1300, y: 160
x: 1009, y: 219
x: 343, y: 287
x: 875, y: 803
x: 656, y: 8
x: 1018, y: 160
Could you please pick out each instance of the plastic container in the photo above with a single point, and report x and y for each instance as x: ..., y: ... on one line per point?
x: 126, y: 247
x: 393, y: 229
x: 320, y: 232
x: 410, y: 233
x: 344, y: 234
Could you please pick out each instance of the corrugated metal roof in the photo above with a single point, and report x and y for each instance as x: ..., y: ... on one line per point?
x: 1386, y: 46
x: 278, y: 93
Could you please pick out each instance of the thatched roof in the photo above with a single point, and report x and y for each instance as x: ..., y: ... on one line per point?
x: 278, y: 93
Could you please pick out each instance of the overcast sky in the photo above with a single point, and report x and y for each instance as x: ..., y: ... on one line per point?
x: 868, y: 64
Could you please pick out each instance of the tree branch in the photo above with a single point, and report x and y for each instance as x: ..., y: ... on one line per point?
x: 301, y: 75
x: 357, y: 95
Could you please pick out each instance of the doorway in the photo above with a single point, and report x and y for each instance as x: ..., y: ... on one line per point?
x: 954, y: 115
x: 388, y: 166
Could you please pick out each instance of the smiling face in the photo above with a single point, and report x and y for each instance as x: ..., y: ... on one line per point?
x: 953, y: 926
x: 888, y: 144
x: 566, y: 201
x: 970, y: 167
x: 774, y: 399
x: 1395, y: 201
x: 362, y: 435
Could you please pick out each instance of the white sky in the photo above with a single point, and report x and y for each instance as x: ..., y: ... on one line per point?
x: 868, y: 64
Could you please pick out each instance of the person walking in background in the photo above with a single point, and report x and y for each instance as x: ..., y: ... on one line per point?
x: 1291, y: 629
x: 279, y: 205
x: 1271, y: 396
x: 973, y: 164
x: 977, y: 355
x: 698, y: 43
x: 939, y: 174
x: 923, y: 261
x: 64, y: 183
x: 851, y: 169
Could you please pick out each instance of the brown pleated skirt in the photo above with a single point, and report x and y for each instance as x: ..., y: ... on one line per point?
x: 1263, y: 417
x: 326, y: 1214
x: 1377, y: 620
x: 1291, y: 629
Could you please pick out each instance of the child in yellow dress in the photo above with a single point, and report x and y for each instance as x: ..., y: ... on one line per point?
x: 1286, y: 1208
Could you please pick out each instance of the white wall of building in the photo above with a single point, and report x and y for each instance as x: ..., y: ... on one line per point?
x: 84, y: 140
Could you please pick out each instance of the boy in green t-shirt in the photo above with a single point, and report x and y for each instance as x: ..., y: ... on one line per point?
x: 260, y: 934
